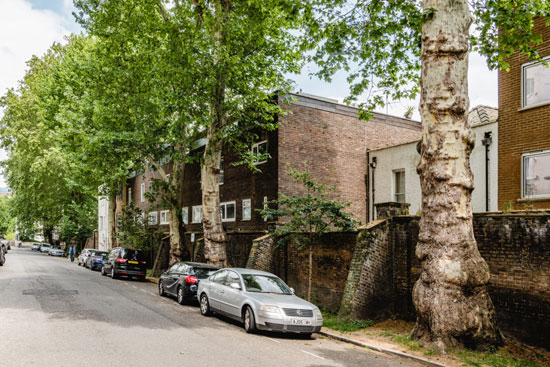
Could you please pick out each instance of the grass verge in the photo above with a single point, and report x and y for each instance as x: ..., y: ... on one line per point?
x: 332, y: 321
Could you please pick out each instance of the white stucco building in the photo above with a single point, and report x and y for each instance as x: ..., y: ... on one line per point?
x: 104, y: 237
x: 394, y: 177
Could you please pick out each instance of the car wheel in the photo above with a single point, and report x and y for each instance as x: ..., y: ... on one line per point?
x: 103, y: 271
x: 113, y: 274
x: 162, y: 293
x: 248, y: 320
x: 205, y: 306
x: 180, y: 296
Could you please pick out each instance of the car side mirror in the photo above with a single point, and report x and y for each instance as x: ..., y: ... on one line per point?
x: 292, y: 290
x: 235, y: 285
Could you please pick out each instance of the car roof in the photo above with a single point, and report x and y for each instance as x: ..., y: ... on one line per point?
x: 250, y: 271
x: 199, y: 265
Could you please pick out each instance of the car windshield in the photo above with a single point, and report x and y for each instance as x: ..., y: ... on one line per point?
x: 265, y: 284
x: 99, y: 253
x: 203, y: 273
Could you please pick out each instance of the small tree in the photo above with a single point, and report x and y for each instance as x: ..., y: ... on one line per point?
x: 307, y: 217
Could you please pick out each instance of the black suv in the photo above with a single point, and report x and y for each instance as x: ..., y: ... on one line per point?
x: 125, y: 261
x: 182, y: 279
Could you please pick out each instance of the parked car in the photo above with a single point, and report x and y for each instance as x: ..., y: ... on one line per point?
x: 2, y: 256
x: 84, y: 254
x: 258, y: 299
x: 124, y: 261
x: 44, y: 248
x: 56, y: 251
x: 35, y: 247
x: 4, y: 247
x: 182, y: 279
x: 95, y: 260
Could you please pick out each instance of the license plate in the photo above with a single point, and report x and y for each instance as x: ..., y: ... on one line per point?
x: 133, y: 262
x: 301, y: 322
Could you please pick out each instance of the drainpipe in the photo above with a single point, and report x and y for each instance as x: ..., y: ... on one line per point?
x: 373, y: 166
x: 367, y: 181
x: 486, y: 141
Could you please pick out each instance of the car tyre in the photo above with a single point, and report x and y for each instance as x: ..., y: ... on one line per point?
x: 180, y: 296
x: 103, y: 271
x: 113, y: 274
x: 248, y: 320
x: 162, y: 293
x: 205, y: 306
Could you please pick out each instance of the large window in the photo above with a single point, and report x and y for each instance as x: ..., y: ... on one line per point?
x: 399, y: 186
x: 227, y: 210
x: 536, y: 174
x: 142, y: 194
x: 185, y: 215
x: 197, y: 214
x: 247, y: 209
x: 153, y: 218
x: 260, y: 149
x: 535, y: 83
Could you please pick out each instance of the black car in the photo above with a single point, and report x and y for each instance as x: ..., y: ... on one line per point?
x: 182, y: 279
x: 125, y: 261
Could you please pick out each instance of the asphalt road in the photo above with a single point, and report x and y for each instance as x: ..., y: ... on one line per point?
x: 55, y: 313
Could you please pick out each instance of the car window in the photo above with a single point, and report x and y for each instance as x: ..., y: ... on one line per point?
x: 265, y: 284
x: 232, y: 277
x: 219, y: 277
x: 174, y: 268
x: 203, y: 273
x: 135, y: 255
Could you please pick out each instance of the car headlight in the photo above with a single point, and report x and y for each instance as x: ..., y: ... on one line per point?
x: 270, y: 309
x: 318, y: 313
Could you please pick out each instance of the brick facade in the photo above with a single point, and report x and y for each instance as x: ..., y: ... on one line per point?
x: 520, y: 130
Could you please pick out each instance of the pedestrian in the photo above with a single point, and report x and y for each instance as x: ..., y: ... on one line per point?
x: 71, y: 252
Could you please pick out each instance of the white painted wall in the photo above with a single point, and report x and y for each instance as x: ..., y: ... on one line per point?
x: 405, y: 157
x: 102, y: 225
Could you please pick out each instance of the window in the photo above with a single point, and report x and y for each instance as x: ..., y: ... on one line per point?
x: 142, y: 194
x: 197, y: 214
x: 259, y: 149
x: 164, y: 217
x: 141, y: 218
x: 185, y: 215
x: 227, y: 210
x: 153, y: 218
x: 247, y: 209
x: 219, y: 277
x: 222, y: 173
x: 129, y: 194
x: 150, y: 187
x: 536, y: 174
x: 535, y: 83
x: 265, y: 207
x: 399, y: 186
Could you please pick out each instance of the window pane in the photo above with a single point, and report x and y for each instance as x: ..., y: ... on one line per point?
x: 230, y: 211
x: 536, y: 175
x: 536, y: 84
x: 184, y: 216
x: 247, y: 212
x: 399, y: 179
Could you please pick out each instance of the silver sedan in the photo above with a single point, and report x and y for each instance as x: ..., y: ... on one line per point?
x: 258, y: 299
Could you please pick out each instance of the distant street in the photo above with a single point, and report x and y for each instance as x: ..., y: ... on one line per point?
x: 54, y: 313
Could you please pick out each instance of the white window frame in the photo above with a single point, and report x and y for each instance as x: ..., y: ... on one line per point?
x: 394, y: 185
x: 142, y: 196
x: 256, y: 146
x: 249, y: 207
x: 527, y: 155
x: 141, y: 218
x: 222, y: 172
x: 196, y: 209
x: 223, y: 209
x: 185, y: 218
x: 164, y: 215
x: 150, y: 217
x: 523, y: 80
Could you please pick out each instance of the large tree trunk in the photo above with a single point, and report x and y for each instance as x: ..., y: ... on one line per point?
x: 111, y: 220
x: 177, y: 238
x: 214, y: 234
x: 452, y: 304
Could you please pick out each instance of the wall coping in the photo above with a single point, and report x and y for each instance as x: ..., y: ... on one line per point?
x: 513, y: 213
x: 372, y: 224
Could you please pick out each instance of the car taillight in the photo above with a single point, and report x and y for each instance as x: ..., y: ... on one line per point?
x: 143, y: 262
x: 85, y: 255
x: 191, y: 279
x: 120, y: 260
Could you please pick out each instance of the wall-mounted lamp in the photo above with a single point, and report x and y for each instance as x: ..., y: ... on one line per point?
x: 373, y: 163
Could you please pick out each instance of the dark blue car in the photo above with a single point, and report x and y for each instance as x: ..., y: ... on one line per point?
x: 95, y: 260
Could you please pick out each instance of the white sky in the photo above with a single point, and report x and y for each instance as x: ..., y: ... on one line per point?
x: 29, y: 27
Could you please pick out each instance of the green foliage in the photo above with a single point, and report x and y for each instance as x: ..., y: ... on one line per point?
x: 493, y: 358
x: 7, y: 221
x: 310, y: 215
x: 332, y: 321
x: 379, y: 42
x: 508, y: 206
x: 133, y: 230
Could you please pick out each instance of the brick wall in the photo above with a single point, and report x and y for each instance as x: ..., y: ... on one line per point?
x: 519, y: 131
x: 333, y: 142
x: 516, y: 247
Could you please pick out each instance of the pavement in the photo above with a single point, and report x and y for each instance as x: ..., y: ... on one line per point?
x: 55, y: 313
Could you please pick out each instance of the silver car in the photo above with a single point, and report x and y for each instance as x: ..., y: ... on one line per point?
x: 258, y: 299
x: 56, y: 251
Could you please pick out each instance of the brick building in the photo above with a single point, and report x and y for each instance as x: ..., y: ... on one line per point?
x: 326, y: 136
x: 524, y: 130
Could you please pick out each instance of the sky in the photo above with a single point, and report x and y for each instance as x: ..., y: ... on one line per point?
x: 30, y: 27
